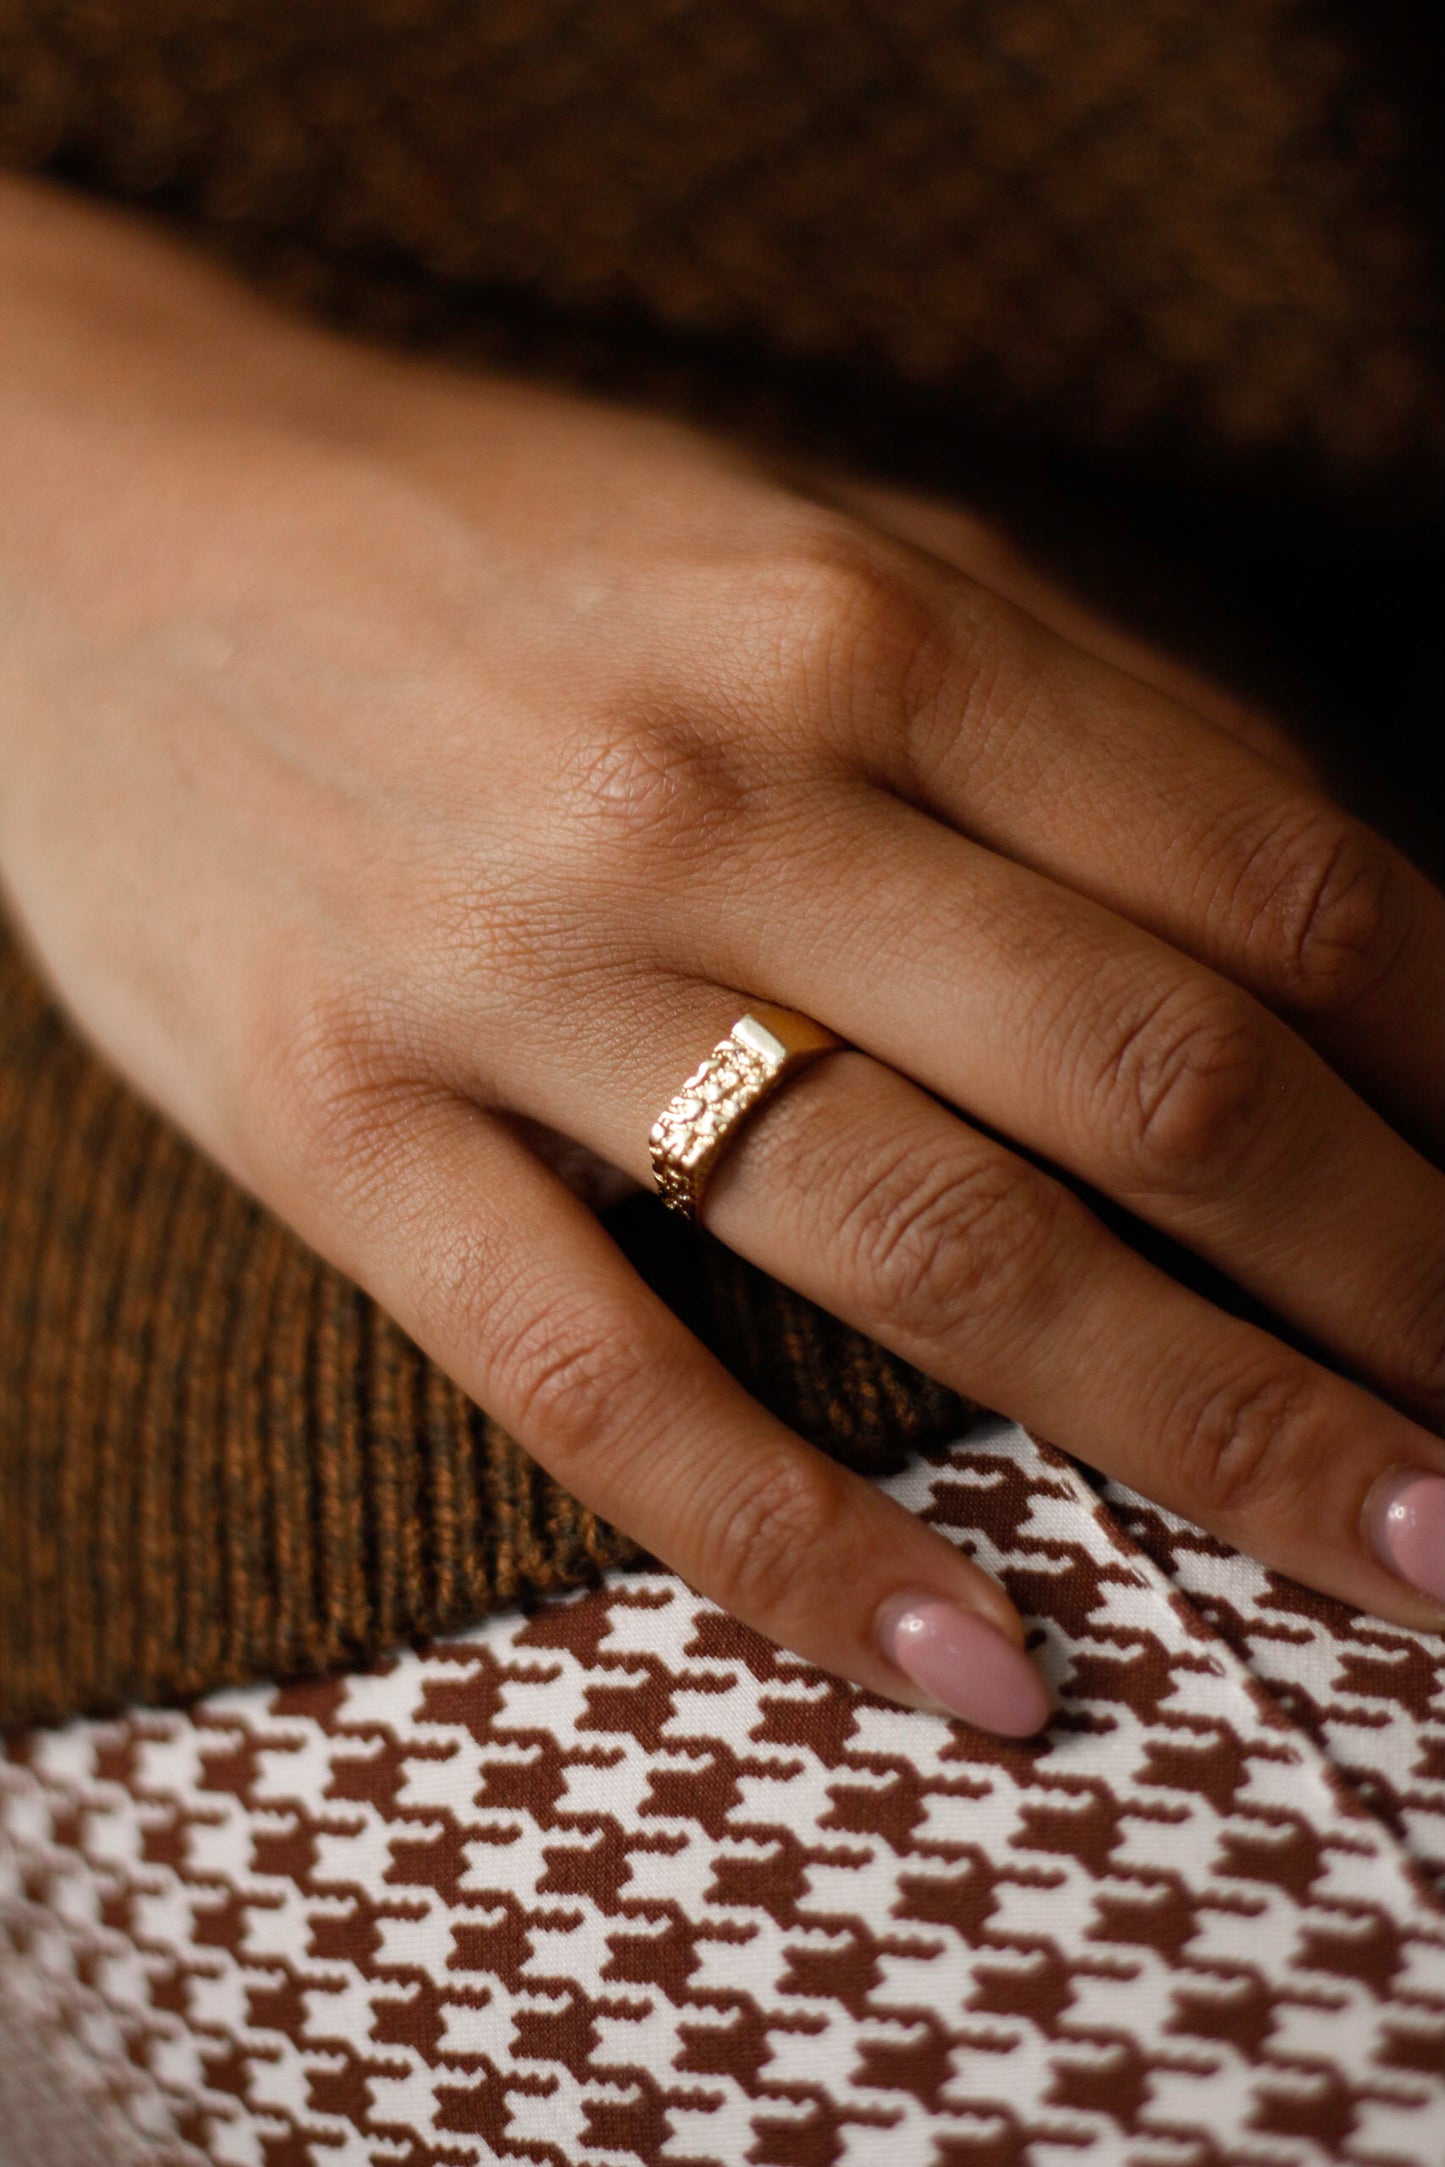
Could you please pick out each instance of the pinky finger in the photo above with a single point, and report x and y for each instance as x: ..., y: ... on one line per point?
x: 497, y: 1270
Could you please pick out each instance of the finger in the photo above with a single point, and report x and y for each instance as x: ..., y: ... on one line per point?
x: 1090, y: 1042
x: 515, y: 1289
x: 961, y: 704
x: 860, y: 1190
x: 987, y: 554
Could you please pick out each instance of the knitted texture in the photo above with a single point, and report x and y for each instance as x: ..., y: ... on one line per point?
x: 1196, y: 233
x: 219, y: 1460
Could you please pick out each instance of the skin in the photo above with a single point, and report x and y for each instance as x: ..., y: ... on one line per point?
x: 395, y: 761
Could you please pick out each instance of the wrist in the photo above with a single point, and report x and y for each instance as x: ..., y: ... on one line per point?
x: 102, y: 311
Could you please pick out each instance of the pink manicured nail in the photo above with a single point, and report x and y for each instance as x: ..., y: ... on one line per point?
x: 1406, y: 1523
x: 965, y: 1663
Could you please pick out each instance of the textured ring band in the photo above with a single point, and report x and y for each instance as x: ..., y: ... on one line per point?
x: 691, y: 1133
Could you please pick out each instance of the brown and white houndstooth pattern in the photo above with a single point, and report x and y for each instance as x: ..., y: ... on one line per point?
x: 619, y: 1883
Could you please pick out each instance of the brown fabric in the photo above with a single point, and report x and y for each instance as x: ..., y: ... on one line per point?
x: 1199, y: 235
x: 620, y: 1881
x: 1190, y: 246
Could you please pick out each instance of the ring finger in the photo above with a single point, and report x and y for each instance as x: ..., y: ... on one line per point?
x: 860, y: 1190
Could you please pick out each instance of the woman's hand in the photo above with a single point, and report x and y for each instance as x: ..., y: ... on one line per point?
x: 394, y: 760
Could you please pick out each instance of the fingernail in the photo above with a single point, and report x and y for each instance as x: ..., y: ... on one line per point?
x: 965, y: 1664
x: 1405, y: 1520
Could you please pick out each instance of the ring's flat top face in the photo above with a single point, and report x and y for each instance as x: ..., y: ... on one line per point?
x: 688, y: 1136
x: 749, y: 1031
x: 786, y: 1029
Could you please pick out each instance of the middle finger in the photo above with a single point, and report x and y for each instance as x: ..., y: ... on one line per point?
x: 1094, y: 1043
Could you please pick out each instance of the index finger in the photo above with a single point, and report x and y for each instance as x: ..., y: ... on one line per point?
x: 1059, y: 761
x: 988, y: 553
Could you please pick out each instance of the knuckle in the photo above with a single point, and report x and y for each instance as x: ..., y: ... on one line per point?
x: 1187, y: 1087
x: 782, y: 1530
x: 979, y: 700
x: 1331, y: 909
x: 639, y: 788
x: 339, y: 1079
x: 851, y: 625
x: 1253, y: 1444
x: 930, y: 1240
x: 566, y: 1381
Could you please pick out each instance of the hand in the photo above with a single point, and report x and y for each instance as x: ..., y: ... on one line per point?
x: 395, y: 760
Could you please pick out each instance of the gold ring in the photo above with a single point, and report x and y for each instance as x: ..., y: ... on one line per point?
x: 691, y: 1133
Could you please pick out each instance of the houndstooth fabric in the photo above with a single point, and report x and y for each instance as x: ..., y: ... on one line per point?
x: 618, y: 1883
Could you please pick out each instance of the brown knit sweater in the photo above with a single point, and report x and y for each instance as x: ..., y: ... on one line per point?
x: 1185, y: 249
